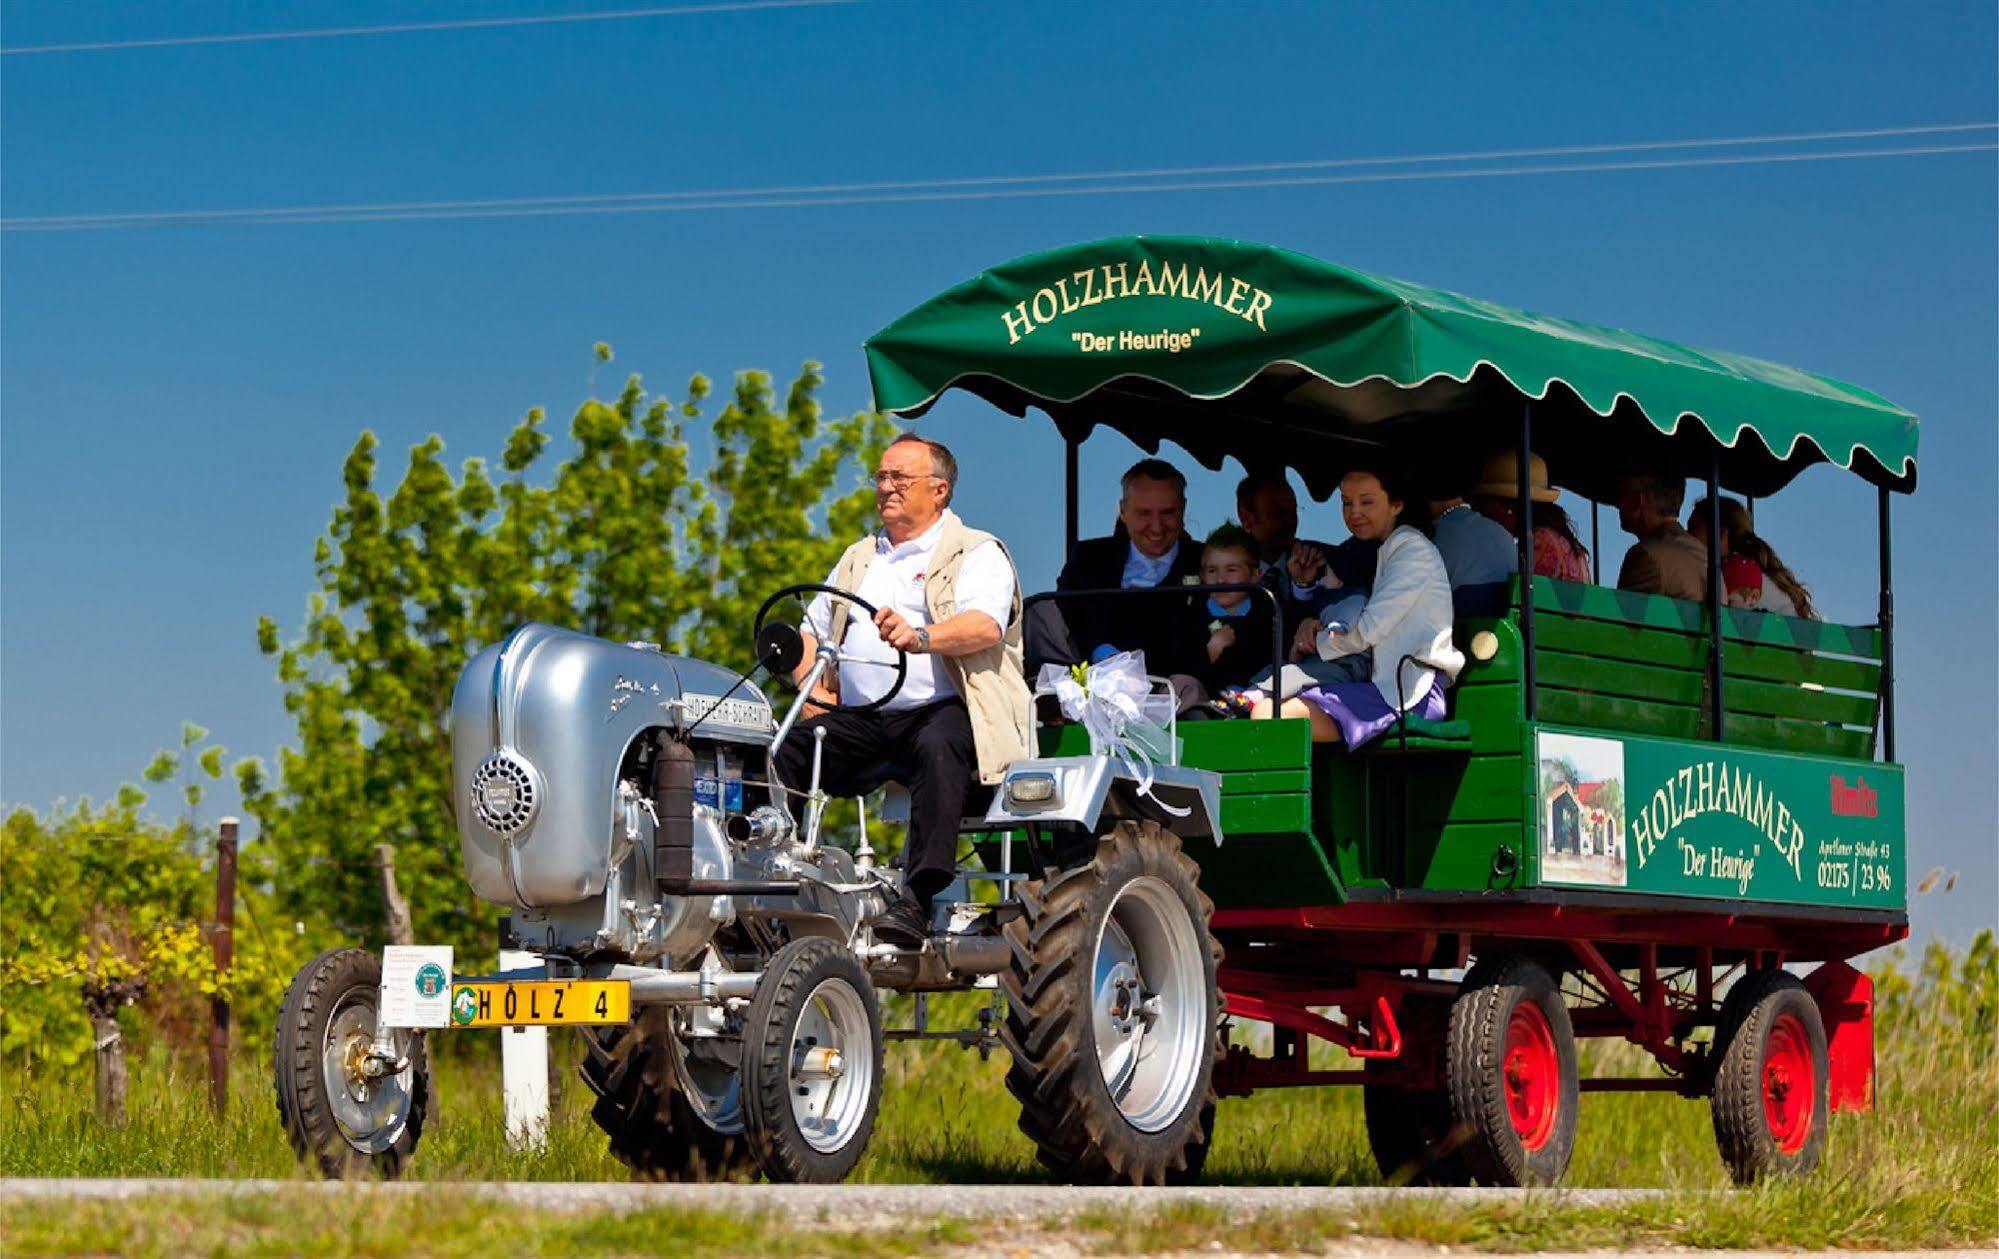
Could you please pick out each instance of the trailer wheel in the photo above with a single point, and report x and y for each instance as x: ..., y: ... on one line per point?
x: 1770, y: 1081
x: 1113, y: 1013
x: 1411, y: 1135
x: 1510, y: 1066
x: 344, y: 1119
x: 668, y: 1118
x: 812, y: 1063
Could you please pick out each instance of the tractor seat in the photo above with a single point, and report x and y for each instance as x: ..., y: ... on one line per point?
x: 894, y: 775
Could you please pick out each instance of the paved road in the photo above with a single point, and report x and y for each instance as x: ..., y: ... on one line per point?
x: 844, y: 1204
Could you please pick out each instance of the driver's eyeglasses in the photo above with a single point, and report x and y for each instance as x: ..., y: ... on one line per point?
x: 900, y: 481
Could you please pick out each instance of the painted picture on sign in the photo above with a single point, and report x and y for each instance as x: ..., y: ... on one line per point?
x: 1582, y: 809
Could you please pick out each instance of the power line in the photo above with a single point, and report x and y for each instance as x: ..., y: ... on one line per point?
x: 320, y: 213
x: 405, y: 28
x: 1001, y: 193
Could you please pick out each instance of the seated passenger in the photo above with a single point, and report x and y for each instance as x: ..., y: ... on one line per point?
x: 1558, y: 552
x: 1783, y: 593
x: 1667, y: 559
x: 1406, y: 624
x: 1741, y: 583
x: 1150, y: 547
x: 1235, y: 628
x: 1268, y: 509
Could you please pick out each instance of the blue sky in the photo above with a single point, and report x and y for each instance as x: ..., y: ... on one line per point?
x: 176, y: 401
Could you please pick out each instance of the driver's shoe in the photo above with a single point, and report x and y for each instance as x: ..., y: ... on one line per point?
x: 903, y: 924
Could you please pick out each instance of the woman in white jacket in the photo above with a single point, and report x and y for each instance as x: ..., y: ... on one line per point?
x: 1406, y: 625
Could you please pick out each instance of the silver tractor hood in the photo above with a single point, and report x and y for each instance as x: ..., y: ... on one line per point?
x: 540, y: 724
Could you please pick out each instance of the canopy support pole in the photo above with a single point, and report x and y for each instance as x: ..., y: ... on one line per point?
x: 1716, y: 675
x: 1072, y: 513
x: 1525, y: 468
x: 1887, y: 635
x: 1595, y: 542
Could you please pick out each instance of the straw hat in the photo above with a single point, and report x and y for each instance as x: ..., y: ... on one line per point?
x: 1501, y: 478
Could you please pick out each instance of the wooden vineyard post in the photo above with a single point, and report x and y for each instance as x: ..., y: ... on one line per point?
x: 224, y: 944
x: 395, y: 909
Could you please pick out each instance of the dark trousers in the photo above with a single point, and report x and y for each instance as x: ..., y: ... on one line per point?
x: 932, y: 749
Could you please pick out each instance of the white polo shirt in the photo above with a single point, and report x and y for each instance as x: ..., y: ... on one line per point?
x: 895, y: 579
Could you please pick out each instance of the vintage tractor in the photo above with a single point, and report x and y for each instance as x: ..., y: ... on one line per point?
x: 693, y: 919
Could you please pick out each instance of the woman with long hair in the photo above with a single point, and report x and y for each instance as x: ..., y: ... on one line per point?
x: 1783, y: 593
x: 1406, y: 624
x: 1558, y: 552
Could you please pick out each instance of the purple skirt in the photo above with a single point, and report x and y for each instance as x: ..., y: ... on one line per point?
x: 1361, y: 714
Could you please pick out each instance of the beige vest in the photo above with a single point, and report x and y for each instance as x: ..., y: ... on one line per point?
x: 993, y: 682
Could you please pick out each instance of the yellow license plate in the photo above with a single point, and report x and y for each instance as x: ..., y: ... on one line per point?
x: 541, y: 1002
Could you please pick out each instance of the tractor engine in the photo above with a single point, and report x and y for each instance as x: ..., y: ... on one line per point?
x: 597, y: 786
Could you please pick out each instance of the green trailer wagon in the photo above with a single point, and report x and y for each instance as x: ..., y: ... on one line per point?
x: 1641, y: 818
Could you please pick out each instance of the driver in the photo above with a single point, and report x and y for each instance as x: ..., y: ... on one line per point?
x: 947, y: 595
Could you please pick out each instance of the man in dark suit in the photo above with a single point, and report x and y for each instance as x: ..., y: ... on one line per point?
x: 1149, y: 548
x: 1267, y: 508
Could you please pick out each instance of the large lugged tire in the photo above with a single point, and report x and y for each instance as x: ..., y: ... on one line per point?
x: 1113, y: 1013
x: 1510, y: 1068
x: 1411, y: 1135
x: 1770, y: 1081
x: 345, y: 1124
x: 643, y: 1106
x: 812, y: 1063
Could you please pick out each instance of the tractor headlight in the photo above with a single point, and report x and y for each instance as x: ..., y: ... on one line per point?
x: 1030, y: 789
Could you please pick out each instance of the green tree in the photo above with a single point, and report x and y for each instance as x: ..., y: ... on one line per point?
x: 624, y: 540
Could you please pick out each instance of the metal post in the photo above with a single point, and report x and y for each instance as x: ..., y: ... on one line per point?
x: 224, y: 944
x: 1527, y: 556
x: 1072, y: 516
x: 1714, y: 589
x: 1595, y: 544
x: 1887, y: 635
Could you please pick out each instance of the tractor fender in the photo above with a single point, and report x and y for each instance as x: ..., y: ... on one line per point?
x: 1093, y: 791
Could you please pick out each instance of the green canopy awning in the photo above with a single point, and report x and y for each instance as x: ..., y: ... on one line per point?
x: 1234, y: 349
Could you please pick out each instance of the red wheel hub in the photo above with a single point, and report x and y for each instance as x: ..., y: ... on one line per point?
x: 1533, y: 1075
x: 1790, y: 1084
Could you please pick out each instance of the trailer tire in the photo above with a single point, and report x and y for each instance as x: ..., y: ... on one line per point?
x: 1769, y: 1102
x: 347, y: 1127
x: 1510, y: 1071
x: 1411, y: 1135
x: 643, y: 1108
x: 1132, y: 918
x: 807, y: 1125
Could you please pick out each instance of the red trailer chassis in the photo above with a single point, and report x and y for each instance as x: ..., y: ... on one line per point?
x: 1644, y: 969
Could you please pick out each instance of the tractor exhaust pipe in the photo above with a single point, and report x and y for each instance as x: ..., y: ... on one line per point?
x: 673, y: 805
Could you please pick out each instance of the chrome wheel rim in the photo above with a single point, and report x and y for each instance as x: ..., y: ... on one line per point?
x: 710, y: 1083
x: 831, y: 1065
x: 370, y: 1113
x: 1149, y: 1004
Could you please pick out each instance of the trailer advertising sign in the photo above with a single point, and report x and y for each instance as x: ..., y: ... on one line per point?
x: 1668, y: 817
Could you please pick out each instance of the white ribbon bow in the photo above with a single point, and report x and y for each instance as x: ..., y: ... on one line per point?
x: 1114, y: 702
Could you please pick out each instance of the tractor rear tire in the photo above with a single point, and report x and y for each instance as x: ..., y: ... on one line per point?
x: 642, y: 1106
x: 1510, y: 1070
x: 1411, y: 1135
x: 1113, y: 1013
x: 345, y: 1124
x: 1769, y: 1104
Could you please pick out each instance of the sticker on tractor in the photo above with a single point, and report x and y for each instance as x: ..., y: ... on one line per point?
x: 416, y: 985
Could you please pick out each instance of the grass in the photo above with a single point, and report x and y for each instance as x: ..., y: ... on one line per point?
x: 1921, y: 1170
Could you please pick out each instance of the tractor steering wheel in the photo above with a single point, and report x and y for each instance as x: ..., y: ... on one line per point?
x: 772, y: 652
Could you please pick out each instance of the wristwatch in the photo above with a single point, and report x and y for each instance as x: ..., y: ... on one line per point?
x: 922, y: 642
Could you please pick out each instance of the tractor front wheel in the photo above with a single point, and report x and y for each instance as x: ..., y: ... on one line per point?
x: 812, y: 1063
x: 1113, y: 1013
x: 346, y: 1111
